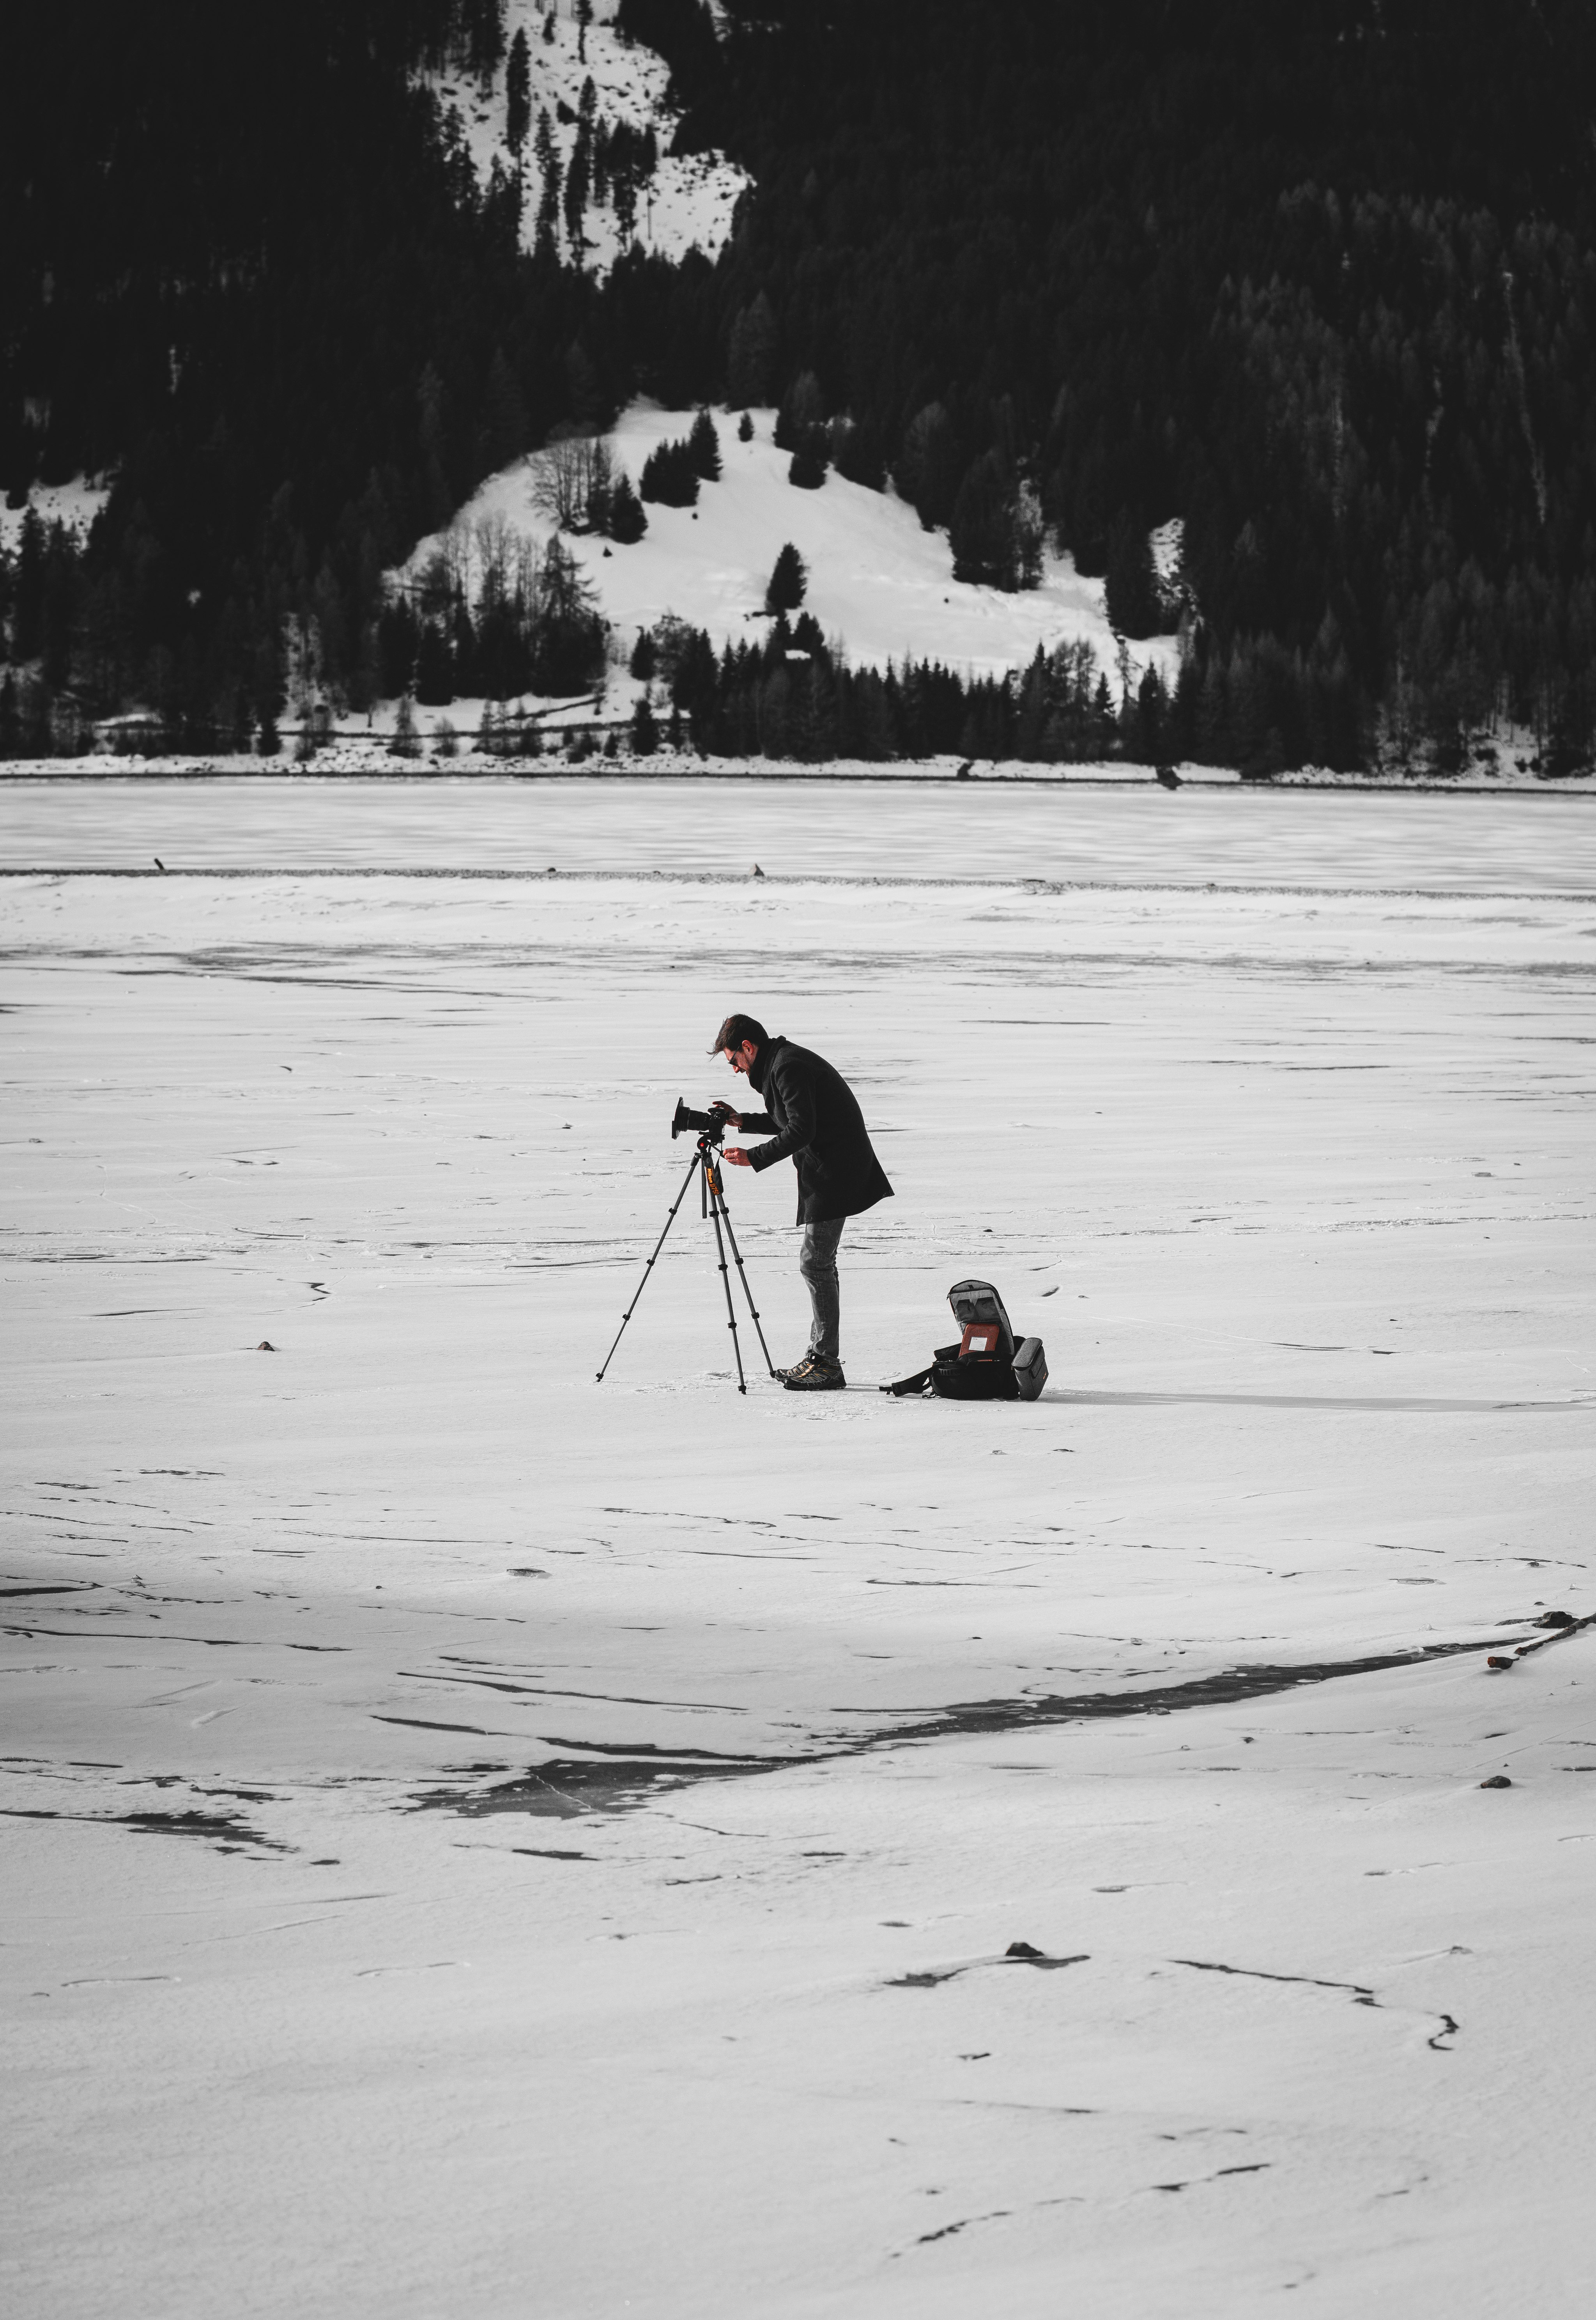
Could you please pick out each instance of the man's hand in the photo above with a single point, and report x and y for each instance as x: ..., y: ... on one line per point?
x: 736, y: 1157
x: 725, y: 1112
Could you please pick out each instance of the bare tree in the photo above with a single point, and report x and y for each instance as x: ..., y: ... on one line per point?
x: 495, y: 541
x: 434, y: 586
x: 572, y: 481
x: 528, y: 564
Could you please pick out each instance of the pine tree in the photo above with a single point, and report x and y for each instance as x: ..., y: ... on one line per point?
x: 745, y: 428
x: 584, y: 18
x: 645, y: 729
x: 983, y: 530
x: 577, y: 179
x: 703, y: 445
x: 504, y: 415
x: 569, y: 633
x: 807, y: 469
x: 549, y: 179
x: 693, y: 685
x: 857, y: 454
x: 1032, y: 737
x: 788, y: 584
x: 926, y: 471
x: 599, y: 508
x: 628, y: 519
x: 751, y: 353
x: 405, y: 743
x: 27, y: 632
x: 802, y: 408
x: 485, y: 36
x: 10, y: 718
x: 1131, y: 593
x: 434, y: 668
x: 518, y: 93
x: 670, y: 476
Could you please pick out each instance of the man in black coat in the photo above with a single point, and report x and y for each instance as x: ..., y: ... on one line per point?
x: 814, y: 1118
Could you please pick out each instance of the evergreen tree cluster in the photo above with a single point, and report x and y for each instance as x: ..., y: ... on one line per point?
x: 467, y: 35
x: 791, y: 697
x: 673, y: 470
x: 610, y: 162
x: 529, y: 624
x: 295, y: 352
x: 817, y: 443
x: 1315, y: 280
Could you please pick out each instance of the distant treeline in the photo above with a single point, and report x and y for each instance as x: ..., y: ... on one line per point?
x: 788, y: 697
x: 1316, y: 280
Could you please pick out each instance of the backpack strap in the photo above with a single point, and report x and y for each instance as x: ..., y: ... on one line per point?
x: 922, y: 1378
x: 915, y: 1385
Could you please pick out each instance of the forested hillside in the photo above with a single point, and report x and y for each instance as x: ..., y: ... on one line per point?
x: 1318, y: 281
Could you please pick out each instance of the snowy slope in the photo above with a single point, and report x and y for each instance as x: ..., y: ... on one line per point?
x: 878, y: 583
x: 690, y: 202
x: 76, y: 504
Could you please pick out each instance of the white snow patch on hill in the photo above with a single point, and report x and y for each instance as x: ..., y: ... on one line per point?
x: 76, y: 504
x: 689, y: 201
x: 878, y: 583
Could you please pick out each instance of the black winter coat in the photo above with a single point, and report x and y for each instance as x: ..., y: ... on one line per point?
x: 814, y: 1115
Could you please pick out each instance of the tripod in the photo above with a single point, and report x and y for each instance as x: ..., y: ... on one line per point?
x: 705, y: 1163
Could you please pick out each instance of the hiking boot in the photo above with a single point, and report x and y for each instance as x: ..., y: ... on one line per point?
x: 816, y: 1373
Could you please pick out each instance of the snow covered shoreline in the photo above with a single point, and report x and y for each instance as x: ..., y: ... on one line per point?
x: 375, y: 763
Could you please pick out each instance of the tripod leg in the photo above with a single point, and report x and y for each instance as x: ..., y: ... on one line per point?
x: 713, y: 1180
x: 649, y: 1268
x: 748, y: 1292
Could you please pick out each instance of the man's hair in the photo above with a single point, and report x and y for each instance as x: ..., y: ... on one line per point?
x: 735, y: 1030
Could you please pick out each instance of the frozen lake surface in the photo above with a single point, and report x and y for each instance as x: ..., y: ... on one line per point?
x: 615, y: 1915
x: 804, y: 827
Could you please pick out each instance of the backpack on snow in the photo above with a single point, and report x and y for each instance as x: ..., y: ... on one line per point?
x: 986, y: 1365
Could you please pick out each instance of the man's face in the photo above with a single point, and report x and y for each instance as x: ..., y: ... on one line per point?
x: 740, y: 1058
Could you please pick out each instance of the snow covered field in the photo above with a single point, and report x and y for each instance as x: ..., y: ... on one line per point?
x: 614, y: 1918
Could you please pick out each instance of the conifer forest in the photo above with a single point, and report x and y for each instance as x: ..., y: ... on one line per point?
x: 1318, y: 282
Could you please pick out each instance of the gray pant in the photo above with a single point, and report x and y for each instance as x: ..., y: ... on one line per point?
x: 817, y: 1261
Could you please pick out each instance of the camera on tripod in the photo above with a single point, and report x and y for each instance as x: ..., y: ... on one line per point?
x: 706, y: 1164
x: 688, y: 1122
